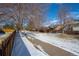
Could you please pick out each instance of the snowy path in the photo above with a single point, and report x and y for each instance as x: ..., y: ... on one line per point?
x: 68, y: 45
x: 32, y: 50
x: 48, y: 48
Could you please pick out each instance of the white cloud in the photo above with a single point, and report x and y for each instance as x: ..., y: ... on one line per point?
x: 75, y: 15
x: 49, y: 22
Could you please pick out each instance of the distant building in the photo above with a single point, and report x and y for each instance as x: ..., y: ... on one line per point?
x: 76, y: 26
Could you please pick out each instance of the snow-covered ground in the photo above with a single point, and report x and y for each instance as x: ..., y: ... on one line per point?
x: 68, y: 44
x: 32, y: 50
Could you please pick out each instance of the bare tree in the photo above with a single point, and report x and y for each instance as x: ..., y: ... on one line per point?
x: 65, y: 18
x: 36, y: 12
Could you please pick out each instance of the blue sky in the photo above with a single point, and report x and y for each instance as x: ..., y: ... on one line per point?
x: 73, y: 9
x: 52, y: 12
x: 53, y: 9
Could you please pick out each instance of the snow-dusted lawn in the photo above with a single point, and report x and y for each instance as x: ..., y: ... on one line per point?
x: 69, y: 44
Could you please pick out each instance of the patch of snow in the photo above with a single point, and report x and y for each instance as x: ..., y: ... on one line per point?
x: 41, y: 49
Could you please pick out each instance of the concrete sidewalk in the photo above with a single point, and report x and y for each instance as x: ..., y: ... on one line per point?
x: 19, y: 48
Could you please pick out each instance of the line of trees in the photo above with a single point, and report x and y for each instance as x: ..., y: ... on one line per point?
x: 19, y: 12
x: 35, y: 13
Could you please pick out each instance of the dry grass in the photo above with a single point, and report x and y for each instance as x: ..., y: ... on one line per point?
x: 65, y: 36
x: 8, y: 30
